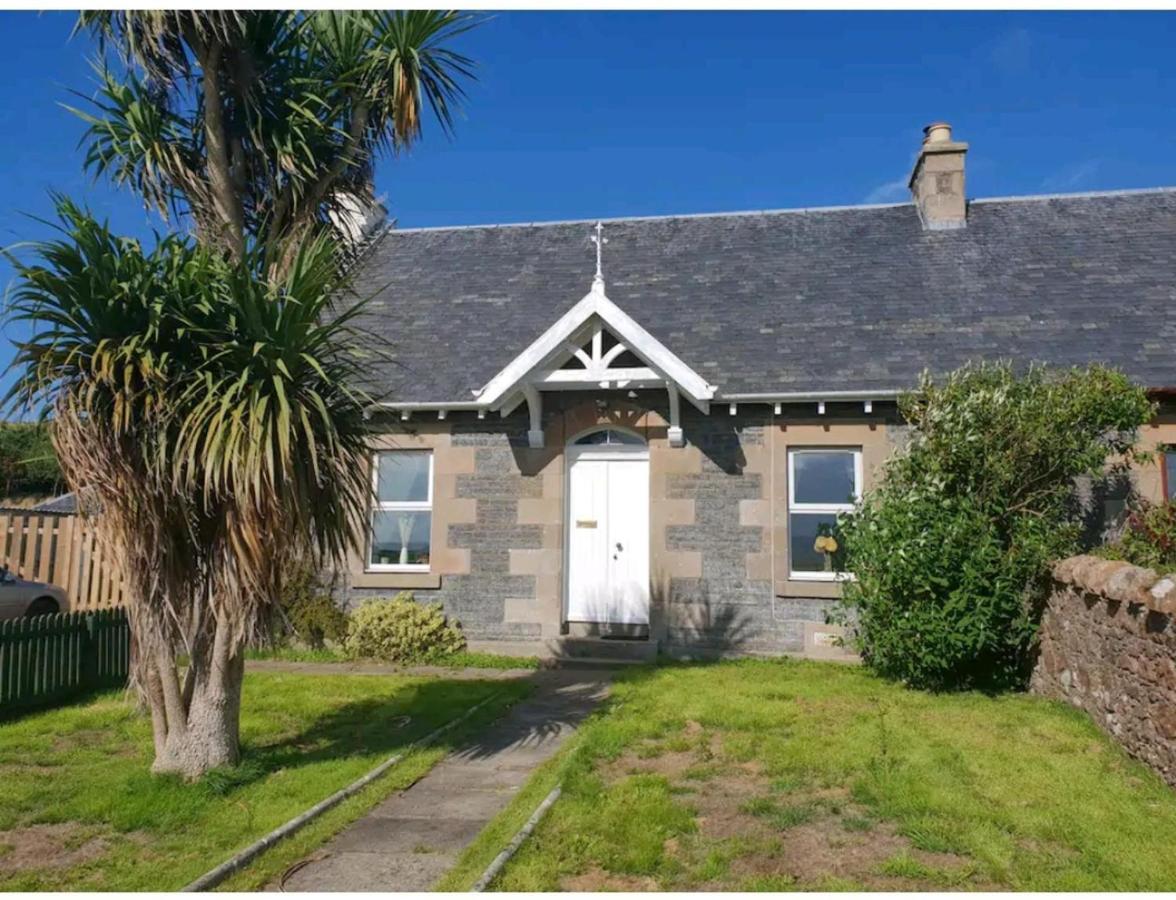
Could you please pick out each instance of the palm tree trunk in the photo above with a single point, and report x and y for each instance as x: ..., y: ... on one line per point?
x: 225, y: 198
x: 197, y: 729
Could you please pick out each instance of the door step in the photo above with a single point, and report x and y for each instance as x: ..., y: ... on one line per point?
x: 589, y: 662
x: 612, y: 650
x: 613, y: 631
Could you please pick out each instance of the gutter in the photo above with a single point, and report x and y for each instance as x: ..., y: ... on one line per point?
x: 785, y: 397
x: 809, y: 396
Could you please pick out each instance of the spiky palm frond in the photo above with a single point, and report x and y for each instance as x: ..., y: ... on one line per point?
x: 260, y: 120
x: 158, y: 40
x: 413, y: 66
x: 274, y: 424
x: 135, y: 139
x: 211, y: 411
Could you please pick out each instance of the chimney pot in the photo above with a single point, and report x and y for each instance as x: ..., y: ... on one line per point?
x: 937, y: 132
x: 937, y: 181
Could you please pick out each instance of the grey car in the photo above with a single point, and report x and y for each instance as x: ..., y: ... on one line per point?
x: 20, y: 597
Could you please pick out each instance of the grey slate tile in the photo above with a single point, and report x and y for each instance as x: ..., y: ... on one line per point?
x: 844, y: 299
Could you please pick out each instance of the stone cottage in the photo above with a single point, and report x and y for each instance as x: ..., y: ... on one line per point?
x: 642, y: 430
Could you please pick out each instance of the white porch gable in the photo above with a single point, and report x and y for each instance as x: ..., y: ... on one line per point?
x: 579, y: 335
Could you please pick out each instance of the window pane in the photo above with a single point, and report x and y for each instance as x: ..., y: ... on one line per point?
x: 403, y: 477
x: 823, y: 476
x: 610, y: 437
x: 400, y: 538
x: 804, y: 554
x: 1170, y: 472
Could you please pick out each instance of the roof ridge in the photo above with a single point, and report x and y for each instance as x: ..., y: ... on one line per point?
x: 796, y: 210
x: 1076, y: 195
x: 658, y: 218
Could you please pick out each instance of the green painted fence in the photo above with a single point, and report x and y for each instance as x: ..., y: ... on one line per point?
x: 45, y: 660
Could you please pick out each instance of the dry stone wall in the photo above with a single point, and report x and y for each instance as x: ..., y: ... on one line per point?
x: 1108, y: 645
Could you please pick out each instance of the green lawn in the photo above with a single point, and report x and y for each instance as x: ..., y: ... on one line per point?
x: 79, y: 809
x: 787, y: 775
x: 463, y: 659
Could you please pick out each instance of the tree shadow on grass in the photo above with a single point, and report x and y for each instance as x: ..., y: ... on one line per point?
x: 373, y: 726
x: 558, y: 702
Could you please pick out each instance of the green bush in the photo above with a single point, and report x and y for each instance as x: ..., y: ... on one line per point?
x: 949, y: 553
x: 309, y: 610
x: 1148, y: 538
x: 28, y: 463
x: 401, y: 630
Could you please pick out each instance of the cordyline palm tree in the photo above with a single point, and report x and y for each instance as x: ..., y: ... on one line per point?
x: 202, y: 389
x: 261, y: 124
x: 211, y: 412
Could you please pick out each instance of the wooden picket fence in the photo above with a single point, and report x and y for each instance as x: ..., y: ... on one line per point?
x: 63, y: 550
x: 48, y: 659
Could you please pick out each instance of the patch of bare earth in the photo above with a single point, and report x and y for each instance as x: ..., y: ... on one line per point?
x: 59, y: 846
x: 805, y: 836
x: 596, y: 879
x: 27, y: 769
x: 823, y: 849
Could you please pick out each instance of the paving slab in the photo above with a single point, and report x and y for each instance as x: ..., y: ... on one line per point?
x: 411, y: 839
x: 357, y: 871
x: 389, y: 835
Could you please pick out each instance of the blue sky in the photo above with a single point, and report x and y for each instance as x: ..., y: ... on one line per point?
x: 584, y: 115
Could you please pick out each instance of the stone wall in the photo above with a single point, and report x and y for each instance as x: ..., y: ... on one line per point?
x: 718, y: 525
x: 487, y: 593
x: 1108, y: 646
x: 729, y: 604
x: 722, y: 608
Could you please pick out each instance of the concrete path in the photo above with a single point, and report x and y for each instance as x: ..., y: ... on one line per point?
x: 411, y: 839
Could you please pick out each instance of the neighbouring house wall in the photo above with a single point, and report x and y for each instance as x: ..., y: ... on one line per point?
x: 1148, y: 476
x: 1108, y: 646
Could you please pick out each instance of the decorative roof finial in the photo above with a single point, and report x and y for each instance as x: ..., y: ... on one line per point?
x: 599, y: 240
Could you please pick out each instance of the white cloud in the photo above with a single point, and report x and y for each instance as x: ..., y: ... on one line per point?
x: 1072, y: 177
x: 888, y: 192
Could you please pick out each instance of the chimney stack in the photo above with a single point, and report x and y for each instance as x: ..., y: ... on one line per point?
x: 937, y: 181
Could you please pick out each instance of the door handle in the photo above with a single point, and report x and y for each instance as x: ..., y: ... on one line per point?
x: 619, y: 547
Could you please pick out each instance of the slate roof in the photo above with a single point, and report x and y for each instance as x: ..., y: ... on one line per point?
x: 847, y: 299
x: 66, y: 503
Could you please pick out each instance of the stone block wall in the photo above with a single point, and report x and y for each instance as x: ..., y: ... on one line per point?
x: 1108, y: 646
x: 727, y: 603
x: 503, y: 583
x: 721, y: 607
x: 718, y: 523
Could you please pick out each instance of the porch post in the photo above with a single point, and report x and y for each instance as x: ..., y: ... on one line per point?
x: 535, y: 408
x: 674, y: 433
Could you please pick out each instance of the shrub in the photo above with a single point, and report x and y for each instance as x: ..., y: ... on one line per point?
x: 401, y: 630
x: 28, y: 463
x: 1148, y: 538
x: 309, y: 610
x: 950, y: 551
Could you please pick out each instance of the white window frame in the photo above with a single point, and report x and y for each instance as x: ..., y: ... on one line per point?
x: 379, y: 506
x: 834, y: 508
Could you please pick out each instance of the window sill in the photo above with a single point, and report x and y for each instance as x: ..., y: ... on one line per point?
x: 820, y: 576
x: 824, y: 588
x: 403, y: 578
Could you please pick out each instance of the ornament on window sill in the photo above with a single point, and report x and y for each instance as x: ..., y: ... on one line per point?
x: 826, y: 545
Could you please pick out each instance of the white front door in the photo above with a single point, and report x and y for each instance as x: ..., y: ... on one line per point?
x: 608, y: 535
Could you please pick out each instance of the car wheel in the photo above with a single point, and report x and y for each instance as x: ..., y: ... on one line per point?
x: 42, y: 606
